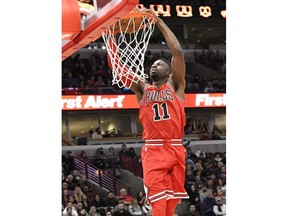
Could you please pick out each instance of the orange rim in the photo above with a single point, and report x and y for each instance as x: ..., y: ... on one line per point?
x: 137, y: 14
x: 133, y: 14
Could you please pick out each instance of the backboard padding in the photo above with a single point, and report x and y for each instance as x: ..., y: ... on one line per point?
x: 98, y: 21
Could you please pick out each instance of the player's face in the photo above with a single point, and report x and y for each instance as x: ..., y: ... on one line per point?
x: 159, y: 70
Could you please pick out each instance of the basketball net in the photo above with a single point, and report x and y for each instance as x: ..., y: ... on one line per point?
x: 126, y: 43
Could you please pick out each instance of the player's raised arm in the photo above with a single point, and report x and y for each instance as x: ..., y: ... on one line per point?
x: 178, y: 67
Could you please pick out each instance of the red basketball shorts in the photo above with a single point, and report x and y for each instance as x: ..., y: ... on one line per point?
x: 163, y: 164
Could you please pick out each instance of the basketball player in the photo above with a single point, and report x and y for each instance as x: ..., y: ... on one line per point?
x: 163, y: 118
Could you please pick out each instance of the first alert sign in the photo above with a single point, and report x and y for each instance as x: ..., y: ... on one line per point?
x: 93, y: 102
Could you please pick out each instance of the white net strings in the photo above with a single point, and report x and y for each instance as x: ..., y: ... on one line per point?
x: 127, y: 50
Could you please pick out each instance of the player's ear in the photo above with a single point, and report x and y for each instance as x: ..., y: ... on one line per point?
x: 169, y: 73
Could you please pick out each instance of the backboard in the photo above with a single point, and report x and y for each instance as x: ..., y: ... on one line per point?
x: 78, y: 32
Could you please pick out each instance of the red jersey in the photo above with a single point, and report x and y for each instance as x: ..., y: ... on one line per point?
x: 161, y: 113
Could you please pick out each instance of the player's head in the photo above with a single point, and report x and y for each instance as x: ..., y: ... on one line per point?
x: 160, y: 70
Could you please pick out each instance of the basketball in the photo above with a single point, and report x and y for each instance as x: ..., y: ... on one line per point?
x: 131, y: 25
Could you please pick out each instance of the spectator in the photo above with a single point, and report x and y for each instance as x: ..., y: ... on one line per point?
x: 193, y: 157
x: 204, y: 136
x: 71, y: 182
x: 100, y: 158
x: 212, y: 176
x: 192, y: 211
x: 208, y: 168
x: 189, y: 179
x: 85, y: 202
x: 219, y: 168
x: 219, y: 208
x: 83, y: 183
x: 99, y: 82
x: 209, y: 184
x: 79, y: 207
x: 92, y: 211
x: 74, y: 139
x: 68, y: 162
x: 120, y: 200
x: 91, y: 81
x: 89, y: 192
x: 65, y: 187
x: 78, y: 194
x: 215, y: 136
x: 189, y: 166
x: 146, y: 208
x: 219, y: 194
x: 195, y: 83
x: 199, y: 182
x: 72, y: 200
x: 189, y: 162
x: 108, y: 213
x: 202, y: 127
x: 202, y: 83
x: 191, y: 123
x: 189, y: 151
x: 132, y: 154
x: 83, y: 212
x: 209, y: 88
x: 134, y: 208
x: 202, y: 195
x: 83, y: 140
x: 110, y: 200
x: 121, y: 211
x: 112, y: 160
x: 216, y: 83
x: 90, y: 133
x: 123, y: 150
x: 111, y: 151
x: 76, y: 175
x: 69, y: 81
x: 141, y: 198
x: 127, y: 198
x: 70, y: 210
x: 222, y: 85
x: 208, y: 203
x: 106, y: 134
x: 83, y: 155
x: 198, y: 167
x: 218, y: 158
x: 97, y: 134
x: 223, y: 175
x: 119, y: 133
x: 194, y: 198
x: 188, y: 129
x: 100, y: 205
x: 215, y: 128
x: 65, y: 197
x: 222, y: 186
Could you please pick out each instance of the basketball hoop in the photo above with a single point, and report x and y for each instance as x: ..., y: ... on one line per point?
x: 126, y: 43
